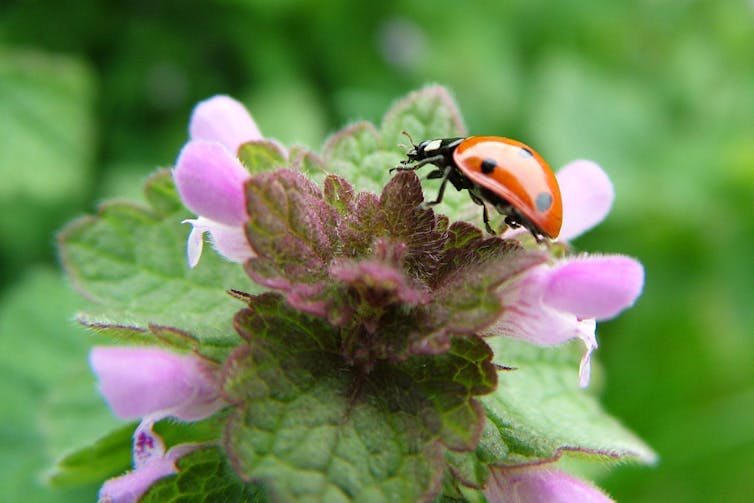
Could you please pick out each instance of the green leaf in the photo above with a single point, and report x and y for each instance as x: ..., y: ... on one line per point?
x: 451, y: 380
x: 107, y: 457
x: 425, y: 114
x: 364, y: 155
x: 260, y: 156
x: 539, y: 412
x: 204, y: 475
x: 358, y: 154
x: 290, y: 226
x: 308, y: 163
x: 46, y: 148
x: 131, y: 261
x: 311, y: 429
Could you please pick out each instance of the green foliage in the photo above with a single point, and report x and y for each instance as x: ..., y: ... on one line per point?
x: 312, y: 429
x: 204, y: 475
x: 539, y: 411
x: 130, y: 261
x: 361, y: 152
x: 107, y: 457
x: 260, y: 156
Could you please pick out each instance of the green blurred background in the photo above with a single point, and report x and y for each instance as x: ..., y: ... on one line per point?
x: 95, y: 95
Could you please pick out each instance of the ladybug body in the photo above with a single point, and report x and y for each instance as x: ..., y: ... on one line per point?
x: 505, y: 173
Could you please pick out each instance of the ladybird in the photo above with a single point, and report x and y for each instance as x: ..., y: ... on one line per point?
x: 507, y: 174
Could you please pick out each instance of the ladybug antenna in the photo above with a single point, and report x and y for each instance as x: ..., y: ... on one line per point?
x: 405, y: 133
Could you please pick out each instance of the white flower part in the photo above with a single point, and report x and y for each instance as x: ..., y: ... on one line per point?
x: 589, y: 339
x: 195, y: 242
x: 229, y: 241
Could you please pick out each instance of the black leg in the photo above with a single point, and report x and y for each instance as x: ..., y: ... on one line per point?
x: 485, y: 214
x: 429, y: 160
x: 486, y: 218
x: 441, y: 192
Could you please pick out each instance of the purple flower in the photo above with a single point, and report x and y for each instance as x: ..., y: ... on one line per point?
x: 539, y: 484
x: 552, y: 303
x: 153, y: 383
x: 587, y: 197
x: 210, y: 178
x: 151, y: 463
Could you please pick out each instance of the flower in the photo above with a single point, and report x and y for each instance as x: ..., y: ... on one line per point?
x: 587, y: 195
x: 539, y: 484
x: 151, y: 463
x: 153, y: 383
x: 210, y: 178
x: 552, y: 303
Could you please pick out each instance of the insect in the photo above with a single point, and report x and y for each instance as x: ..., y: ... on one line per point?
x: 505, y: 173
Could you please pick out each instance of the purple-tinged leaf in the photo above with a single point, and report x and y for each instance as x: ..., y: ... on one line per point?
x: 290, y: 226
x: 451, y: 381
x: 404, y: 220
x: 464, y: 293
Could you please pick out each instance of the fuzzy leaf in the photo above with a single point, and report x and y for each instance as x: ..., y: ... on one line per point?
x: 311, y: 429
x: 451, y: 380
x: 260, y: 156
x: 131, y: 261
x: 358, y: 154
x: 405, y: 221
x: 308, y: 163
x: 204, y: 475
x: 539, y: 411
x: 465, y: 284
x: 290, y: 227
x: 364, y: 155
x: 426, y: 114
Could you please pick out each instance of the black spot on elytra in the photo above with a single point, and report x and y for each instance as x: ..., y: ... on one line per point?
x: 543, y: 201
x: 488, y: 166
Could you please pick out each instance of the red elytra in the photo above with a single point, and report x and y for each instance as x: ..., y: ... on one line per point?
x: 508, y: 174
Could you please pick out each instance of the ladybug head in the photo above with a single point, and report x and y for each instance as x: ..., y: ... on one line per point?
x: 416, y: 151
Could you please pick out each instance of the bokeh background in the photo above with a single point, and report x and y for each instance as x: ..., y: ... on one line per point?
x: 94, y: 95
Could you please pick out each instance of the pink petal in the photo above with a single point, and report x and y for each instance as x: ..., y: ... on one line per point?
x: 587, y: 197
x: 210, y: 182
x: 130, y: 487
x: 224, y: 120
x: 526, y: 317
x: 139, y: 382
x: 538, y: 484
x: 594, y: 286
x: 151, y: 463
x: 230, y: 242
